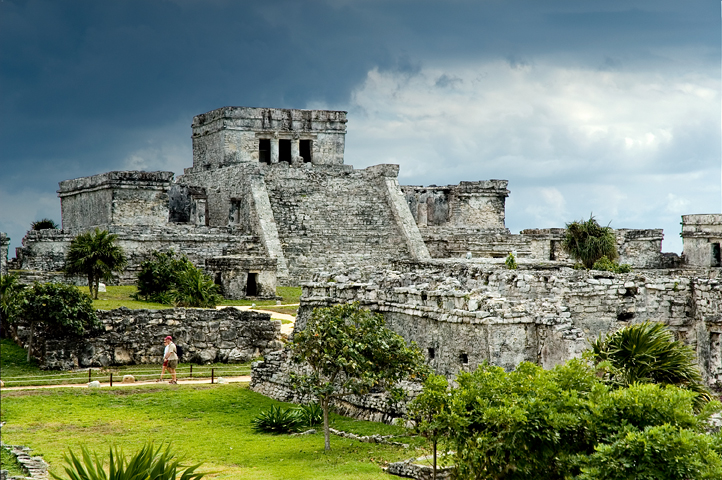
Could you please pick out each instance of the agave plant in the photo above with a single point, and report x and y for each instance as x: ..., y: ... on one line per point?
x: 310, y: 415
x: 147, y: 464
x: 44, y: 224
x: 647, y: 353
x: 277, y: 420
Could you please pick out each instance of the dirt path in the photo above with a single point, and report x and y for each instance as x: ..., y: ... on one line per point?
x: 185, y: 381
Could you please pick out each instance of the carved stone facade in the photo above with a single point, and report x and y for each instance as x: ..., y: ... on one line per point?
x: 702, y: 236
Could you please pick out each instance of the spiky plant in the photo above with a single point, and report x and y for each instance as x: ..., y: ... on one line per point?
x: 277, y: 420
x: 587, y: 242
x: 148, y: 463
x: 96, y: 255
x: 194, y: 289
x: 44, y: 224
x: 648, y: 353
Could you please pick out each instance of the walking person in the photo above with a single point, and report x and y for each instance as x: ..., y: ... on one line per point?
x: 165, y: 361
x: 171, y: 357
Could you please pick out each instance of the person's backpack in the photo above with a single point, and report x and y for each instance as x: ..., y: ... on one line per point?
x: 179, y: 351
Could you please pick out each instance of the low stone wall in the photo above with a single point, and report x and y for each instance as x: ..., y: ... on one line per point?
x: 462, y: 314
x: 136, y: 337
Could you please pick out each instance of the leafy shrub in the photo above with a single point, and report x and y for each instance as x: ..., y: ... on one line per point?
x: 277, y: 420
x: 662, y: 452
x: 158, y: 275
x: 609, y: 266
x: 511, y: 261
x: 587, y: 242
x: 10, y: 288
x: 170, y: 278
x: 310, y: 415
x: 148, y: 463
x: 62, y: 308
x: 195, y: 289
x: 44, y: 224
x: 541, y: 424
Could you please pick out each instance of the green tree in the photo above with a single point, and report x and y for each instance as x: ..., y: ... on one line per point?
x: 62, y: 309
x: 95, y: 255
x: 648, y: 352
x: 587, y: 242
x: 428, y: 408
x: 350, y: 351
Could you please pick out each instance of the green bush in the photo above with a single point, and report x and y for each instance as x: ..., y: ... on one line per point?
x: 277, y: 420
x: 510, y: 261
x: 95, y: 255
x: 63, y: 309
x: 587, y: 242
x: 148, y: 463
x: 171, y: 279
x: 663, y: 452
x: 44, y: 224
x: 607, y: 265
x: 541, y: 424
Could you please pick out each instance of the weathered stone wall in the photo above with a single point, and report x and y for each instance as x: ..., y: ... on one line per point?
x: 44, y: 250
x: 462, y: 314
x: 121, y: 198
x: 136, y: 337
x: 4, y: 246
x: 232, y: 274
x: 702, y: 237
x: 470, y: 204
x: 231, y: 135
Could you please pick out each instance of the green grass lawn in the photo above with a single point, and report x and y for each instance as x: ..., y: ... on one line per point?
x: 121, y: 296
x: 15, y: 371
x: 204, y: 423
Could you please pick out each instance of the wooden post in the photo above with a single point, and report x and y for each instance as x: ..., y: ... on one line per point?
x: 213, y: 371
x: 191, y: 370
x: 111, y: 379
x: 90, y: 373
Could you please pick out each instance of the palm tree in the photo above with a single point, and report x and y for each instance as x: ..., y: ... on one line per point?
x: 647, y: 352
x: 587, y: 242
x: 96, y: 255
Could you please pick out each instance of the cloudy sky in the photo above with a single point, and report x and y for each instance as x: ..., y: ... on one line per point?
x: 610, y: 107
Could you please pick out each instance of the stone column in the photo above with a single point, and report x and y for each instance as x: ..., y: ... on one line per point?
x: 4, y: 246
x: 295, y: 150
x: 274, y: 150
x: 422, y: 214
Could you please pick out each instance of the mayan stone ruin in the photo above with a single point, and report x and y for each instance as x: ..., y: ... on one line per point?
x: 269, y: 201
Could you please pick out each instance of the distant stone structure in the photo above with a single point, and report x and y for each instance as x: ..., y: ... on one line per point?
x: 269, y: 200
x: 702, y: 236
x: 4, y: 245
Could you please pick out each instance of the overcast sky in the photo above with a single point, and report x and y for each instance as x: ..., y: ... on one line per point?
x: 610, y: 107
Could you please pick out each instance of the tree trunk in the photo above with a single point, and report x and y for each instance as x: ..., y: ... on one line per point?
x: 30, y: 339
x: 97, y: 281
x: 326, y: 432
x: 90, y: 284
x: 434, y: 477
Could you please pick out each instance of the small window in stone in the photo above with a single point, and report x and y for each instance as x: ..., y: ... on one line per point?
x: 234, y: 213
x: 464, y: 358
x: 252, y: 285
x: 304, y: 149
x: 432, y: 353
x: 716, y: 255
x: 284, y: 151
x: 264, y: 150
x: 553, y: 249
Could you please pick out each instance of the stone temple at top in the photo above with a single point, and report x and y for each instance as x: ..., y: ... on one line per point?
x: 269, y: 199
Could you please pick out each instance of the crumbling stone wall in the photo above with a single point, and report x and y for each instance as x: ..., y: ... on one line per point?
x: 136, y: 337
x: 462, y: 314
x: 120, y: 198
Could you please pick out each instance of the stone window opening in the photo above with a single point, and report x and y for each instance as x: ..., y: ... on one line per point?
x: 432, y: 353
x: 252, y: 284
x: 716, y: 255
x: 284, y: 150
x: 464, y: 358
x: 264, y: 150
x: 235, y: 212
x: 304, y: 150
